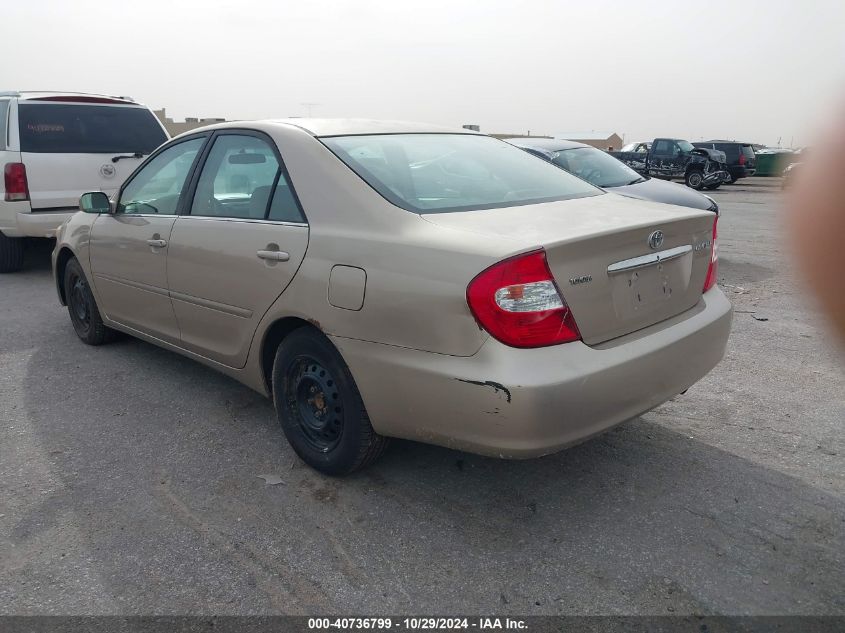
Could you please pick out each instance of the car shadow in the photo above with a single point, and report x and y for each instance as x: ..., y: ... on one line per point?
x: 159, y: 458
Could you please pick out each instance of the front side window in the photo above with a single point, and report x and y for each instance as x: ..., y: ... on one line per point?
x: 439, y: 173
x: 157, y: 186
x: 685, y: 146
x: 242, y: 178
x: 62, y: 128
x: 596, y: 167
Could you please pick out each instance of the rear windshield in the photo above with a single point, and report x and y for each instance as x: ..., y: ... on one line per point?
x: 88, y: 129
x: 748, y: 151
x: 4, y: 113
x: 595, y: 166
x: 439, y: 173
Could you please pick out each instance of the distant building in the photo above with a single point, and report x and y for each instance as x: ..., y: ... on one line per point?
x: 608, y: 141
x: 473, y: 127
x: 190, y: 123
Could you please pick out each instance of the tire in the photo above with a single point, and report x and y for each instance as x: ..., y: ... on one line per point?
x: 694, y: 179
x: 319, y: 407
x: 733, y: 180
x: 84, y: 314
x: 11, y: 254
x: 713, y: 187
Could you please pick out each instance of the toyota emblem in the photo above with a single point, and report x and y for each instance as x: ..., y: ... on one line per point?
x: 655, y: 240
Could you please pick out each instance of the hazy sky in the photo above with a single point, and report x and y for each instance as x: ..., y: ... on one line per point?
x: 756, y: 70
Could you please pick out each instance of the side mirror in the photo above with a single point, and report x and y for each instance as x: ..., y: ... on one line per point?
x: 94, y: 202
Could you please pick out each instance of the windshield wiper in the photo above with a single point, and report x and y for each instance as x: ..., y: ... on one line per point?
x: 636, y: 180
x: 114, y: 159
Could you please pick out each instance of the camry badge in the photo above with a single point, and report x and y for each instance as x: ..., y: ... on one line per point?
x: 655, y: 240
x: 107, y: 170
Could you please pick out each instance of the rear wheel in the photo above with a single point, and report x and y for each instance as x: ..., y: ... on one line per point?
x: 694, y: 179
x: 11, y: 253
x: 319, y: 407
x: 82, y: 307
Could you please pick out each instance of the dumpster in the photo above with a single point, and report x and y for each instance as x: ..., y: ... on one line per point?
x: 771, y: 161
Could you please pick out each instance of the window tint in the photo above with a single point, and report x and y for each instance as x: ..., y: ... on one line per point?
x: 4, y: 114
x: 157, y: 186
x: 436, y: 173
x: 237, y: 181
x: 94, y: 129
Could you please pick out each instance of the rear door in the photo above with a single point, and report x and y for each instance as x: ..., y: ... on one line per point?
x: 128, y: 249
x: 237, y: 248
x: 69, y: 147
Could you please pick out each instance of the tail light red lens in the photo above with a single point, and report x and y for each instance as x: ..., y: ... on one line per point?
x: 713, y: 268
x: 742, y: 159
x: 518, y: 303
x: 14, y: 175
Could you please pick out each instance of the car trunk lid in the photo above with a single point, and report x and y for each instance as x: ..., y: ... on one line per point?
x: 620, y: 264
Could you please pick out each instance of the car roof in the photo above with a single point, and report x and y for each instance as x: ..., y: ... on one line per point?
x: 548, y: 144
x: 55, y: 95
x: 342, y: 127
x: 724, y: 142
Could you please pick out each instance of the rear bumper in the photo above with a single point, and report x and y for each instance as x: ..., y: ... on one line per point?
x: 517, y: 403
x: 741, y: 172
x: 16, y: 220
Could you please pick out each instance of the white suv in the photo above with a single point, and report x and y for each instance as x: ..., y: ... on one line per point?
x: 55, y: 146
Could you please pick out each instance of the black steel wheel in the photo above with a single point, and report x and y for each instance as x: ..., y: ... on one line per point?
x: 82, y: 307
x: 315, y: 397
x: 319, y: 407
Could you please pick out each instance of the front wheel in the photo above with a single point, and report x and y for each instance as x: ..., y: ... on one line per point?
x: 82, y: 307
x: 11, y: 254
x: 694, y: 179
x: 319, y: 407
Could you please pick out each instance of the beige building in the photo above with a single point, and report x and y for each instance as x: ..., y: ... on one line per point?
x: 607, y: 141
x: 175, y: 128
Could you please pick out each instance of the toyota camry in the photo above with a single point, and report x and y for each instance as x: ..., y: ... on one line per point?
x: 385, y: 279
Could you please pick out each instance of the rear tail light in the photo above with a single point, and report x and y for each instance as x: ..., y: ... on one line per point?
x: 16, y: 188
x: 518, y: 303
x: 742, y: 159
x: 713, y: 268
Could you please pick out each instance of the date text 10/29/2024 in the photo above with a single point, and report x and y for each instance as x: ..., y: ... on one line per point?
x: 416, y: 624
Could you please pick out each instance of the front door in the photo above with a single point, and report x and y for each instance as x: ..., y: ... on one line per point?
x: 129, y: 248
x: 237, y: 248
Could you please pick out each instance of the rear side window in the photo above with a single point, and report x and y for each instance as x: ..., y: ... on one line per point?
x: 438, y: 173
x: 4, y: 117
x: 87, y: 129
x: 242, y: 178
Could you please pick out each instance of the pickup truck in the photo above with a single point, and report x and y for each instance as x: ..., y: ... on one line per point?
x: 670, y: 158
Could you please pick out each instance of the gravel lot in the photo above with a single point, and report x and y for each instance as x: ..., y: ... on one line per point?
x: 129, y: 482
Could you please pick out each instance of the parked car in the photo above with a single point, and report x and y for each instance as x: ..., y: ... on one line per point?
x: 383, y: 279
x: 54, y: 146
x: 670, y: 158
x: 605, y: 171
x: 740, y: 157
x: 794, y: 168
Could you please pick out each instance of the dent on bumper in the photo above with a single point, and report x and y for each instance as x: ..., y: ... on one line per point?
x: 43, y: 224
x: 516, y: 403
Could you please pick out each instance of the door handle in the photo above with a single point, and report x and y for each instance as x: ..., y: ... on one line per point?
x: 275, y: 256
x: 157, y: 243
